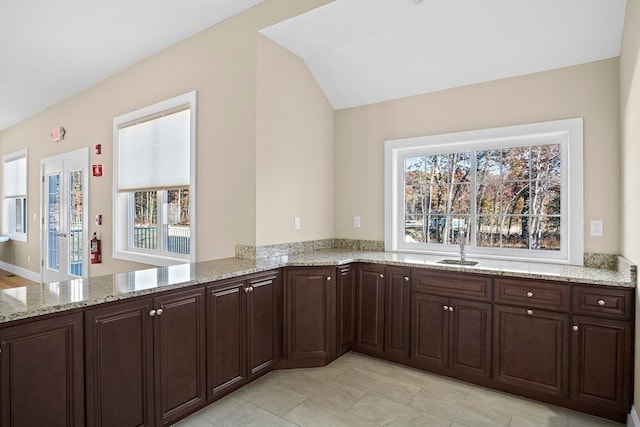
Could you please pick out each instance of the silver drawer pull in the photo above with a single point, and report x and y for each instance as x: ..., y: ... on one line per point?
x: 529, y: 312
x: 450, y: 308
x: 152, y: 313
x: 329, y: 279
x: 575, y: 327
x: 529, y: 294
x: 406, y: 278
x: 382, y: 276
x: 159, y: 312
x: 445, y: 307
x: 600, y: 302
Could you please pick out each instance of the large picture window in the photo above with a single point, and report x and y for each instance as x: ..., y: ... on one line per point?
x: 506, y: 192
x: 155, y: 183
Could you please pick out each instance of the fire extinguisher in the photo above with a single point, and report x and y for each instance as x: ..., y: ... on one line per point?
x: 96, y: 252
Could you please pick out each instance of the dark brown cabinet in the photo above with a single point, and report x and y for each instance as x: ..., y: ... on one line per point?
x: 145, y: 360
x: 531, y: 351
x: 370, y: 298
x: 451, y: 336
x: 397, y: 319
x: 242, y: 331
x: 42, y: 373
x: 345, y: 308
x: 310, y: 316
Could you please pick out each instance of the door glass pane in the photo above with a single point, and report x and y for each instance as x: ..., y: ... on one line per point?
x: 145, y: 221
x: 178, y: 231
x: 75, y: 223
x: 53, y: 221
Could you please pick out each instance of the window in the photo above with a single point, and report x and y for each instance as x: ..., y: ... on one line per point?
x: 14, y: 195
x: 513, y: 192
x: 155, y: 183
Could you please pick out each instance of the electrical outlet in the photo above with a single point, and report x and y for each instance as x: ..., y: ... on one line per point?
x: 597, y: 228
x: 356, y: 222
x: 296, y: 223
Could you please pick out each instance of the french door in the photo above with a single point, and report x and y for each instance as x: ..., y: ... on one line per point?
x: 65, y: 216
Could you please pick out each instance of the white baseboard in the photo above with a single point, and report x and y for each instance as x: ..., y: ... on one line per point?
x: 23, y: 272
x: 632, y: 418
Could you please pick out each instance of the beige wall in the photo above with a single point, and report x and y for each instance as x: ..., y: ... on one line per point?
x: 221, y: 64
x: 630, y: 124
x: 589, y: 91
x: 294, y: 150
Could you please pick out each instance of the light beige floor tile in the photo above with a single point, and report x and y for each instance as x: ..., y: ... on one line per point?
x: 269, y: 395
x: 220, y: 409
x: 577, y: 419
x: 427, y: 380
x: 386, y: 412
x: 249, y: 415
x: 313, y: 413
x: 442, y: 403
x: 379, y: 384
x: 196, y: 420
x: 541, y: 420
x: 514, y: 404
x: 356, y: 360
x: 333, y: 394
x: 480, y: 415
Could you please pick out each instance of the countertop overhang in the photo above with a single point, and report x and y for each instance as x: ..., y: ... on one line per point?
x: 36, y: 300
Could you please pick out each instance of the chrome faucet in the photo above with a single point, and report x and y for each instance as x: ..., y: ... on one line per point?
x: 461, y: 238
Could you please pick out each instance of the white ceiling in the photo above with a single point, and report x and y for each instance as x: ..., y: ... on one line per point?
x: 366, y: 51
x: 52, y: 49
x: 360, y: 51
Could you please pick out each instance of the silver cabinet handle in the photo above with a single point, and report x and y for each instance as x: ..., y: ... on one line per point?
x: 445, y: 307
x: 529, y: 312
x: 529, y: 294
x: 62, y: 234
x: 601, y: 302
x: 328, y: 278
x: 250, y: 288
x: 159, y: 312
x: 246, y: 290
x: 575, y: 327
x: 406, y: 278
x: 450, y: 308
x: 382, y: 276
x: 152, y: 313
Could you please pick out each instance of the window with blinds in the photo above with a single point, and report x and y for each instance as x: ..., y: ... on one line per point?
x: 14, y: 194
x: 154, y: 180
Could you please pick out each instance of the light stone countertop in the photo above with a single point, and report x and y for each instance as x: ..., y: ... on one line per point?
x: 35, y: 300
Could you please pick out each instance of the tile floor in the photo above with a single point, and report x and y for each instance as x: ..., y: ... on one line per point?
x: 357, y: 390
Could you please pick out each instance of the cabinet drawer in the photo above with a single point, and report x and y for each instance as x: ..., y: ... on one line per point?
x: 533, y: 293
x: 452, y: 284
x: 612, y: 303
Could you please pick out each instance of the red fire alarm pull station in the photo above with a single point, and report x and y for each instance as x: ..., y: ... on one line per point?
x: 97, y: 170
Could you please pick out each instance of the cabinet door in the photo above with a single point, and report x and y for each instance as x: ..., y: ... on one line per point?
x: 430, y: 332
x: 119, y: 364
x: 370, y: 309
x: 261, y: 324
x: 601, y: 362
x: 226, y: 337
x: 530, y: 350
x: 345, y: 308
x: 41, y: 373
x: 310, y: 295
x: 397, y: 315
x: 179, y: 350
x: 470, y: 338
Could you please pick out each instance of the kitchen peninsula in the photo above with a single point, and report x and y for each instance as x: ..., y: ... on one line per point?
x: 159, y: 344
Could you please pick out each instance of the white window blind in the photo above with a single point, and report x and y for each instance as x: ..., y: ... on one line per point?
x: 15, y: 177
x: 155, y: 153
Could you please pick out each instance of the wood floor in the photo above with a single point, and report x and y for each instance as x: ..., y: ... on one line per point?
x: 9, y: 280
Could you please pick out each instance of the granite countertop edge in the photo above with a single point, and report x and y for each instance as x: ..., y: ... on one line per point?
x: 38, y: 300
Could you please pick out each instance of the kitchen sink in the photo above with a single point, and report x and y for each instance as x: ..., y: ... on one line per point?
x: 457, y: 262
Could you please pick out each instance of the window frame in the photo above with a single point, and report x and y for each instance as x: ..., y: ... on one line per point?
x: 568, y: 133
x: 122, y: 210
x: 9, y: 203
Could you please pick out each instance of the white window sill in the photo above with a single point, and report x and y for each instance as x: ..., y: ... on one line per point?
x: 151, y: 259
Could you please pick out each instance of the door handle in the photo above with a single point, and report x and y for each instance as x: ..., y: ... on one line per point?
x: 62, y: 234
